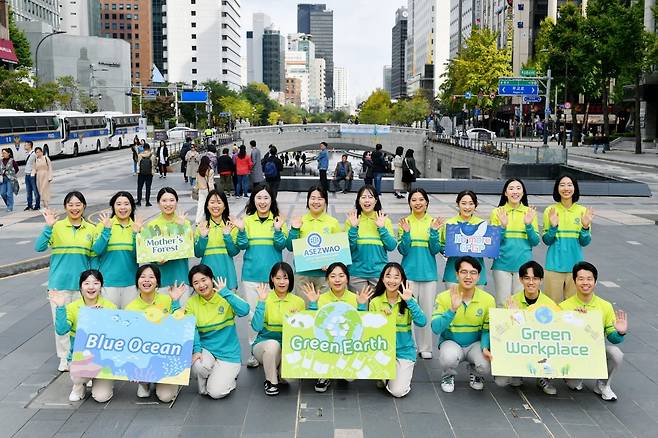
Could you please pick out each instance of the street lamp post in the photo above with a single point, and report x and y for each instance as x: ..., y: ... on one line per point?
x: 36, y: 52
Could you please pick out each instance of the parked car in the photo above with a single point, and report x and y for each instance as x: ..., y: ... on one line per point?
x: 180, y: 132
x: 480, y: 134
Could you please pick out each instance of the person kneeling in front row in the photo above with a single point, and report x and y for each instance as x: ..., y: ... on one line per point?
x: 615, y: 324
x: 461, y: 319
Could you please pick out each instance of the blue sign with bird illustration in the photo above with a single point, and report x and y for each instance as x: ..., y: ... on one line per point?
x: 149, y: 346
x: 477, y: 240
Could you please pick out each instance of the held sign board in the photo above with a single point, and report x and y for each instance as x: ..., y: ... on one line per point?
x: 544, y: 342
x: 476, y: 240
x: 149, y: 346
x: 316, y: 250
x: 338, y: 342
x: 175, y: 241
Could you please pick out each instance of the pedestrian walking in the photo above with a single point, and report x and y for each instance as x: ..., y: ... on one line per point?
x: 30, y: 180
x: 163, y: 158
x: 183, y: 152
x: 43, y: 172
x: 148, y: 163
x: 8, y: 179
x: 323, y: 165
x: 256, y: 176
x: 398, y: 185
x: 193, y: 159
x: 409, y: 170
x: 205, y: 182
x: 225, y: 169
x: 272, y: 168
x: 378, y: 167
x: 303, y: 159
x: 243, y: 168
x: 134, y: 146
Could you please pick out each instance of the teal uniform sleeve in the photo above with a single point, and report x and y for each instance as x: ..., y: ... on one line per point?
x: 533, y: 235
x: 362, y: 307
x: 231, y: 248
x: 615, y: 337
x: 312, y: 305
x: 200, y: 245
x: 100, y: 245
x: 258, y: 320
x: 387, y: 239
x: 62, y: 325
x: 353, y: 235
x: 43, y: 241
x: 484, y: 340
x: 196, y: 348
x: 292, y: 235
x: 417, y: 315
x: 549, y: 235
x: 280, y: 241
x: 240, y: 306
x: 441, y: 321
x: 243, y: 240
x: 434, y: 244
x: 405, y: 243
x: 175, y: 305
x: 585, y: 236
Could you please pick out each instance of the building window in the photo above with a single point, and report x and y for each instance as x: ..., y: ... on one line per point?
x: 128, y: 6
x: 193, y: 47
x: 114, y: 26
x: 136, y: 16
x: 107, y: 16
x: 121, y: 26
x: 114, y: 6
x: 194, y: 59
x: 137, y: 64
x: 114, y: 16
x: 193, y: 24
x: 193, y: 2
x: 137, y: 26
x: 130, y: 36
x: 194, y: 82
x: 107, y: 25
x: 135, y: 6
x: 194, y: 71
x: 194, y: 13
x: 137, y: 45
x: 120, y: 5
x: 122, y: 36
x: 129, y: 26
x: 121, y: 16
x: 193, y: 36
x: 129, y: 16
x: 114, y: 35
x: 224, y: 72
x: 136, y: 36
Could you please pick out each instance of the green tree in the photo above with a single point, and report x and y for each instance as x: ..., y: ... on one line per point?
x: 376, y: 109
x: 68, y: 91
x: 339, y: 116
x: 239, y: 108
x: 21, y: 44
x: 257, y: 94
x: 292, y: 114
x: 88, y: 103
x: 159, y: 110
x: 273, y: 118
x: 405, y: 112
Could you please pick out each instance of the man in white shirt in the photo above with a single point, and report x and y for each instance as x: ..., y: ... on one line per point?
x: 30, y: 180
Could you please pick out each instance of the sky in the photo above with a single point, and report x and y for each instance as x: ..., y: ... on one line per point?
x: 362, y: 35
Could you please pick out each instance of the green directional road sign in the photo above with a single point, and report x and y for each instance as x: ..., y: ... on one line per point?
x: 528, y: 72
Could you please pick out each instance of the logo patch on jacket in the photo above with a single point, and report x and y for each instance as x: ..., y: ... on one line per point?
x: 220, y: 310
x: 480, y: 312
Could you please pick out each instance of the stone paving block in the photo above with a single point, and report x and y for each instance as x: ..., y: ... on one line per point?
x: 380, y: 425
x: 79, y: 422
x: 230, y: 411
x: 465, y: 404
x: 111, y: 423
x: 68, y: 435
x: 152, y: 431
x: 425, y: 424
x: 52, y: 414
x: 39, y: 429
x: 347, y: 418
x: 210, y: 431
x: 315, y: 429
x: 421, y: 399
x: 12, y: 418
x: 316, y: 407
x: 346, y: 398
x: 269, y: 413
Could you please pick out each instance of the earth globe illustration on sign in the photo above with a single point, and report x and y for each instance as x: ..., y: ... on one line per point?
x: 337, y: 322
x: 544, y: 315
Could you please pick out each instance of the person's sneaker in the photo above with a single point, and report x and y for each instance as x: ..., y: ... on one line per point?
x: 27, y: 208
x: 271, y: 388
x: 322, y: 384
x: 63, y: 365
x: 252, y: 362
x: 604, y: 390
x: 547, y: 386
x: 476, y: 382
x: 143, y: 390
x: 577, y: 386
x: 381, y: 384
x: 426, y: 354
x: 138, y: 203
x: 516, y: 382
x: 77, y: 393
x: 448, y: 383
x: 90, y: 383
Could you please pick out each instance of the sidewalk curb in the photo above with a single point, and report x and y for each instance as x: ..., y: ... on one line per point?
x: 612, y: 160
x: 24, y: 266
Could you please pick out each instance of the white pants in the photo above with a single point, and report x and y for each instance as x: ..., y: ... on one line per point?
x: 183, y: 299
x: 320, y: 284
x: 401, y: 385
x: 358, y: 283
x: 425, y: 292
x: 166, y: 392
x: 614, y: 358
x: 218, y: 375
x: 269, y: 354
x: 250, y: 295
x: 507, y: 283
x: 101, y: 390
x: 451, y: 354
x: 200, y: 204
x: 63, y: 343
x: 120, y: 296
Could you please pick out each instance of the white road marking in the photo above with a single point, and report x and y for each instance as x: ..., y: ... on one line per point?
x: 2, y: 314
x: 633, y: 242
x: 23, y: 242
x: 610, y: 284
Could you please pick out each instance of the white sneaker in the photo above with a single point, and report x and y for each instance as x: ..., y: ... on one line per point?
x: 448, y: 383
x: 516, y: 382
x: 476, y: 382
x: 547, y: 386
x: 90, y: 383
x: 252, y: 362
x: 77, y: 393
x: 63, y: 365
x: 575, y: 386
x: 203, y: 390
x: 603, y: 389
x: 426, y: 354
x: 143, y: 390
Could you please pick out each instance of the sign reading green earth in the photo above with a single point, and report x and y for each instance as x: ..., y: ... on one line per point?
x: 338, y: 342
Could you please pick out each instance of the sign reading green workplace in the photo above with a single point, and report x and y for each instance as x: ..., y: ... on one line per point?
x: 542, y: 342
x: 154, y: 244
x: 338, y: 342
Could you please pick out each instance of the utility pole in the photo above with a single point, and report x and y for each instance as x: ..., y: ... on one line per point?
x: 547, y: 106
x: 141, y: 94
x: 176, y: 102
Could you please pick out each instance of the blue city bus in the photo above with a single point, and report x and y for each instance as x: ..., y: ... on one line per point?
x: 43, y: 129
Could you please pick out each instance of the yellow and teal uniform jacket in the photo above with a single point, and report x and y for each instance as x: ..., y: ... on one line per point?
x: 329, y: 297
x: 173, y: 270
x: 70, y: 252
x: 419, y: 248
x: 369, y: 245
x: 566, y: 241
x: 405, y: 348
x: 215, y: 324
x: 262, y: 246
x: 66, y: 317
x: 323, y: 225
x: 450, y: 275
x: 115, y: 253
x: 470, y: 323
x: 542, y: 299
x: 217, y: 251
x: 516, y: 241
x: 608, y: 317
x: 161, y: 301
x: 269, y: 314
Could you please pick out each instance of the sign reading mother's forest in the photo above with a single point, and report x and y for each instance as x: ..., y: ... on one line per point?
x: 540, y: 342
x: 148, y: 346
x: 171, y: 242
x: 338, y: 342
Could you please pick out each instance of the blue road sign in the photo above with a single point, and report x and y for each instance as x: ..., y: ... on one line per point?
x: 194, y: 97
x: 531, y: 99
x: 518, y: 90
x: 150, y: 92
x: 468, y: 94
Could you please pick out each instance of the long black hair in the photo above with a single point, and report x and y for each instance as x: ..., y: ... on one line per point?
x: 556, y: 188
x: 503, y: 196
x: 251, y: 205
x: 380, y: 288
x: 9, y: 151
x: 222, y: 197
x: 373, y: 192
x: 204, y: 166
x: 130, y: 198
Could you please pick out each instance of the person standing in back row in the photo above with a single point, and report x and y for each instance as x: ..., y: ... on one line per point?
x: 378, y: 167
x: 323, y: 165
x: 146, y: 165
x: 31, y: 180
x: 183, y: 151
x: 163, y: 158
x: 272, y: 168
x: 256, y: 176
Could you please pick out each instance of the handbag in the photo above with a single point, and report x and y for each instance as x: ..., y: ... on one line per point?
x: 407, y: 174
x: 15, y: 186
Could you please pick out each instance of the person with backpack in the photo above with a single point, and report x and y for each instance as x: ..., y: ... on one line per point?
x: 272, y: 168
x: 147, y: 163
x: 8, y: 171
x: 183, y: 152
x: 225, y: 169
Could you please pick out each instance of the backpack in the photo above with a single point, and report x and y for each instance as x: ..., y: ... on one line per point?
x: 270, y: 170
x: 145, y: 166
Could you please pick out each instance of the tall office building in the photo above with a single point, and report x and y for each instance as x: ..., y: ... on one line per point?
x: 158, y: 28
x: 399, y: 38
x: 386, y: 79
x: 316, y: 20
x: 274, y: 65
x: 464, y: 16
x: 297, y: 67
x: 260, y: 21
x: 202, y: 42
x: 317, y: 99
x: 46, y: 11
x: 341, y: 80
x: 80, y: 17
